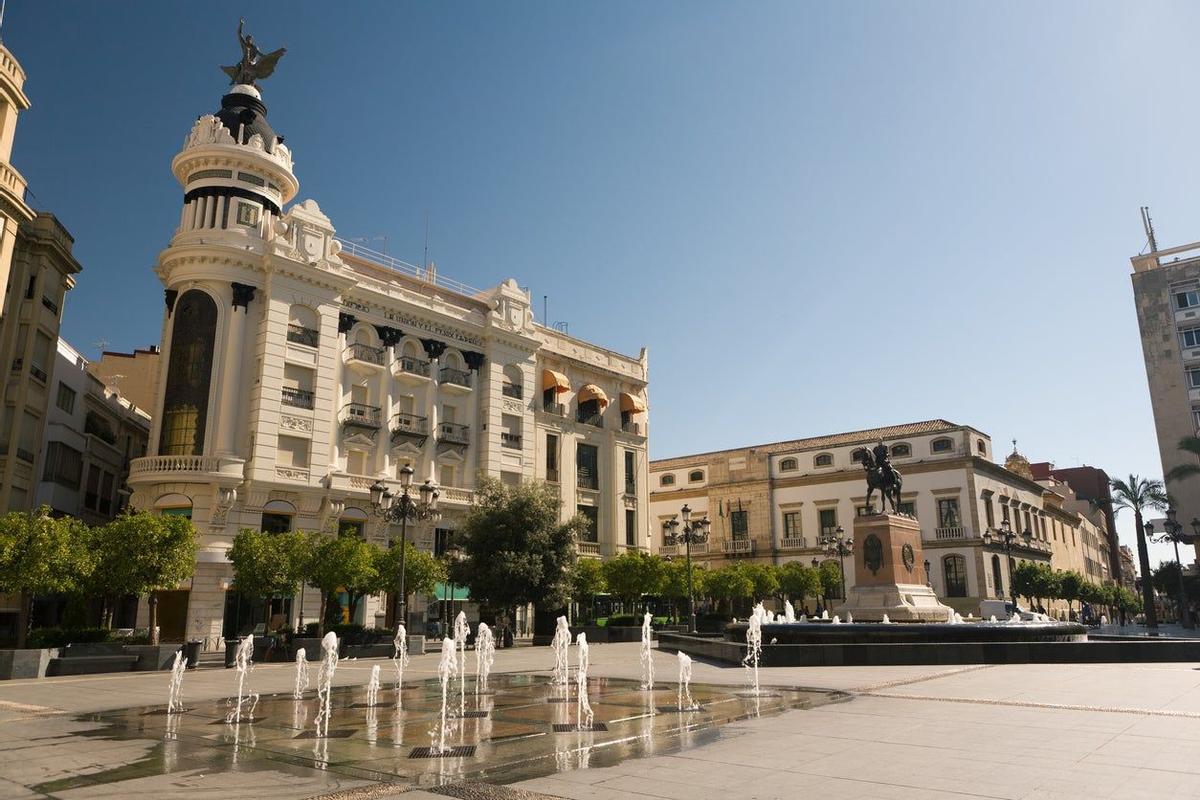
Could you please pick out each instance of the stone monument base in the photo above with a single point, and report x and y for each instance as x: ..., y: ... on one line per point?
x: 901, y: 602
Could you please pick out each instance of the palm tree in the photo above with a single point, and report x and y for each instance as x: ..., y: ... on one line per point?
x: 1137, y: 494
x: 1191, y: 446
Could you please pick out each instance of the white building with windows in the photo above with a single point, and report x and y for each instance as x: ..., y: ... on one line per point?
x: 298, y: 369
x: 775, y: 503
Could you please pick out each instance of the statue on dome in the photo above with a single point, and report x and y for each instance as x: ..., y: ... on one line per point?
x: 255, y: 64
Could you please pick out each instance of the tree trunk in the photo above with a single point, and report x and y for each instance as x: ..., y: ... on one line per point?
x: 23, y: 620
x: 152, y: 605
x: 321, y: 618
x: 1144, y: 565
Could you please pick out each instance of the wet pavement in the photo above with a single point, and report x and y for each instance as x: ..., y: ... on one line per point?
x: 523, y: 728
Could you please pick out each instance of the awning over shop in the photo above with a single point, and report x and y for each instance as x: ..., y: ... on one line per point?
x: 632, y: 403
x: 555, y: 380
x: 441, y: 591
x: 590, y: 391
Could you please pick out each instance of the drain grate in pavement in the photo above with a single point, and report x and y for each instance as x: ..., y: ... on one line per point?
x: 677, y: 709
x: 459, y: 751
x: 567, y: 728
x: 340, y: 733
x: 486, y: 791
x: 472, y: 715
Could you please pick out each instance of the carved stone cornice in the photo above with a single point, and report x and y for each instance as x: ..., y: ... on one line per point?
x: 433, y: 347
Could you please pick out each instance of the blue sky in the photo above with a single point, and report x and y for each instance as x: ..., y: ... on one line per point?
x: 798, y: 207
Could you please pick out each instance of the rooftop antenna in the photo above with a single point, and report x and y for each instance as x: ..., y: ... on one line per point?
x: 364, y: 239
x: 101, y: 345
x: 1148, y: 226
x: 545, y: 317
x: 425, y: 257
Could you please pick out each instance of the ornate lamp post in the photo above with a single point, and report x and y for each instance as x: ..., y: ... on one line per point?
x: 454, y: 555
x: 696, y: 532
x: 1174, y: 534
x: 840, y: 545
x: 399, y: 509
x: 1007, y: 537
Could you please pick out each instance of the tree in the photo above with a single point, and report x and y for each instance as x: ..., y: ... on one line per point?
x: 1026, y: 581
x: 675, y: 582
x: 830, y: 573
x: 40, y: 555
x: 728, y: 583
x: 1189, y: 445
x: 1047, y: 582
x: 765, y: 578
x: 632, y: 574
x: 798, y: 581
x: 267, y: 565
x: 146, y: 552
x: 341, y: 562
x: 517, y: 549
x: 1137, y: 494
x: 587, y: 581
x: 1070, y: 586
x: 422, y: 571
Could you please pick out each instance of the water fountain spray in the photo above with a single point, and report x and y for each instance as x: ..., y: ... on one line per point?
x: 301, y: 674
x: 373, y: 687
x: 647, y: 655
x: 849, y: 618
x: 175, y: 688
x: 400, y: 658
x: 242, y: 661
x: 583, y: 709
x: 485, y: 654
x: 461, y: 632
x: 825, y: 613
x: 789, y: 612
x: 329, y: 661
x: 753, y: 649
x: 685, y: 702
x: 560, y: 644
x: 446, y: 669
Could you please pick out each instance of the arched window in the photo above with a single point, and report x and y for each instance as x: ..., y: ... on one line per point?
x: 353, y: 522
x: 858, y: 455
x: 695, y: 476
x: 823, y: 460
x: 942, y: 445
x: 410, y: 349
x: 302, y: 326
x: 901, y: 450
x: 996, y: 577
x: 666, y: 480
x: 277, y: 516
x: 189, y: 375
x: 981, y: 447
x: 363, y: 336
x: 788, y: 465
x: 954, y: 568
x: 513, y: 381
x: 453, y: 359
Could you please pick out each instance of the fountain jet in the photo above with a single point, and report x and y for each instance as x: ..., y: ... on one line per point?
x: 301, y: 674
x: 175, y: 688
x: 647, y: 655
x: 583, y: 709
x: 329, y: 662
x: 242, y: 662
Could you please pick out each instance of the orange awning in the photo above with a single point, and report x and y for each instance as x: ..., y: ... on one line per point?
x: 590, y: 391
x: 632, y: 403
x: 555, y: 380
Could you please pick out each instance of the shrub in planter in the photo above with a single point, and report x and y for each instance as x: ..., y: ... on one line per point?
x: 624, y: 620
x: 61, y: 637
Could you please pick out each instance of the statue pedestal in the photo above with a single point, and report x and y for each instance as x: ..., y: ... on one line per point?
x: 889, y: 573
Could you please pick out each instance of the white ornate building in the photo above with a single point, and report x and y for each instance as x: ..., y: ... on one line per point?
x: 298, y: 369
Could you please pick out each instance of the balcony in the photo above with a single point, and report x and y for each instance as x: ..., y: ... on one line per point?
x: 409, y: 429
x: 586, y: 479
x: 152, y: 469
x: 737, y: 547
x: 793, y: 543
x: 510, y: 440
x: 298, y: 334
x: 357, y: 354
x: 296, y: 398
x: 50, y: 305
x: 554, y: 409
x: 670, y: 550
x: 411, y: 370
x: 552, y: 474
x: 454, y: 434
x: 451, y: 494
x: 680, y: 550
x: 37, y: 373
x: 595, y: 420
x: 634, y: 428
x: 950, y: 532
x: 588, y: 548
x: 458, y: 380
x: 361, y: 415
x: 512, y: 390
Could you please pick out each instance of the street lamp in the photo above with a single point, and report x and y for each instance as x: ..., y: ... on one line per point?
x: 453, y: 553
x: 1173, y: 533
x: 399, y: 510
x: 693, y: 532
x: 1007, y: 537
x: 840, y: 545
x: 928, y: 580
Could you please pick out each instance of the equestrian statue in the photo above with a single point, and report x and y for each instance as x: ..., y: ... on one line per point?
x: 883, y: 476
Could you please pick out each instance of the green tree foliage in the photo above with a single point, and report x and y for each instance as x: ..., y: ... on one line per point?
x: 765, y: 578
x: 1070, y: 586
x: 41, y: 555
x: 517, y: 549
x: 269, y: 565
x: 1025, y: 581
x: 143, y: 553
x: 632, y: 574
x: 830, y: 573
x: 422, y: 572
x: 728, y: 583
x: 1137, y: 494
x: 587, y: 581
x: 675, y: 582
x: 798, y: 581
x: 341, y: 563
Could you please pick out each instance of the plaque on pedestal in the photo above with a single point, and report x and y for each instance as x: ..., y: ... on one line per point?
x: 889, y: 573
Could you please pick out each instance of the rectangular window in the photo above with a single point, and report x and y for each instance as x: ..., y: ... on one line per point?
x: 630, y: 473
x: 66, y: 398
x: 1194, y: 377
x: 247, y: 214
x: 1028, y: 524
x: 91, y: 495
x: 828, y: 520
x: 356, y: 462
x: 441, y: 540
x: 275, y: 523
x: 1190, y: 337
x: 292, y: 451
x: 909, y: 508
x: 791, y: 525
x: 587, y: 466
x: 1186, y: 300
x: 1004, y: 513
x: 948, y: 513
x: 739, y: 524
x: 64, y: 465
x: 989, y: 512
x: 1196, y: 418
x: 955, y: 568
x: 552, y: 457
x: 447, y: 476
x: 631, y: 537
x: 106, y: 493
x: 592, y: 515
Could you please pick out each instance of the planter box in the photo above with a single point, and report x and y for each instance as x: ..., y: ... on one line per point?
x: 383, y: 650
x: 416, y: 645
x: 86, y: 649
x: 25, y: 663
x: 312, y: 648
x: 595, y: 634
x: 153, y: 657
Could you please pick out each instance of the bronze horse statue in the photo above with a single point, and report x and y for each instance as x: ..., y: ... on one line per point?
x: 883, y: 476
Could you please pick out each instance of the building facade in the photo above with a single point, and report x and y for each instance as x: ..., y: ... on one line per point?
x: 91, y: 436
x: 14, y: 211
x: 298, y: 369
x: 1166, y: 294
x: 134, y: 375
x: 774, y: 503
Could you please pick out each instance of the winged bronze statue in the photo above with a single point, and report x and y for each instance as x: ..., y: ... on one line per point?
x: 255, y: 64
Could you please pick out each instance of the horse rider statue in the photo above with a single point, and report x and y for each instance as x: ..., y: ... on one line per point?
x: 881, y: 475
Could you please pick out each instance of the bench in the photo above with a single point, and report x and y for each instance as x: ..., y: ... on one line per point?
x: 89, y: 664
